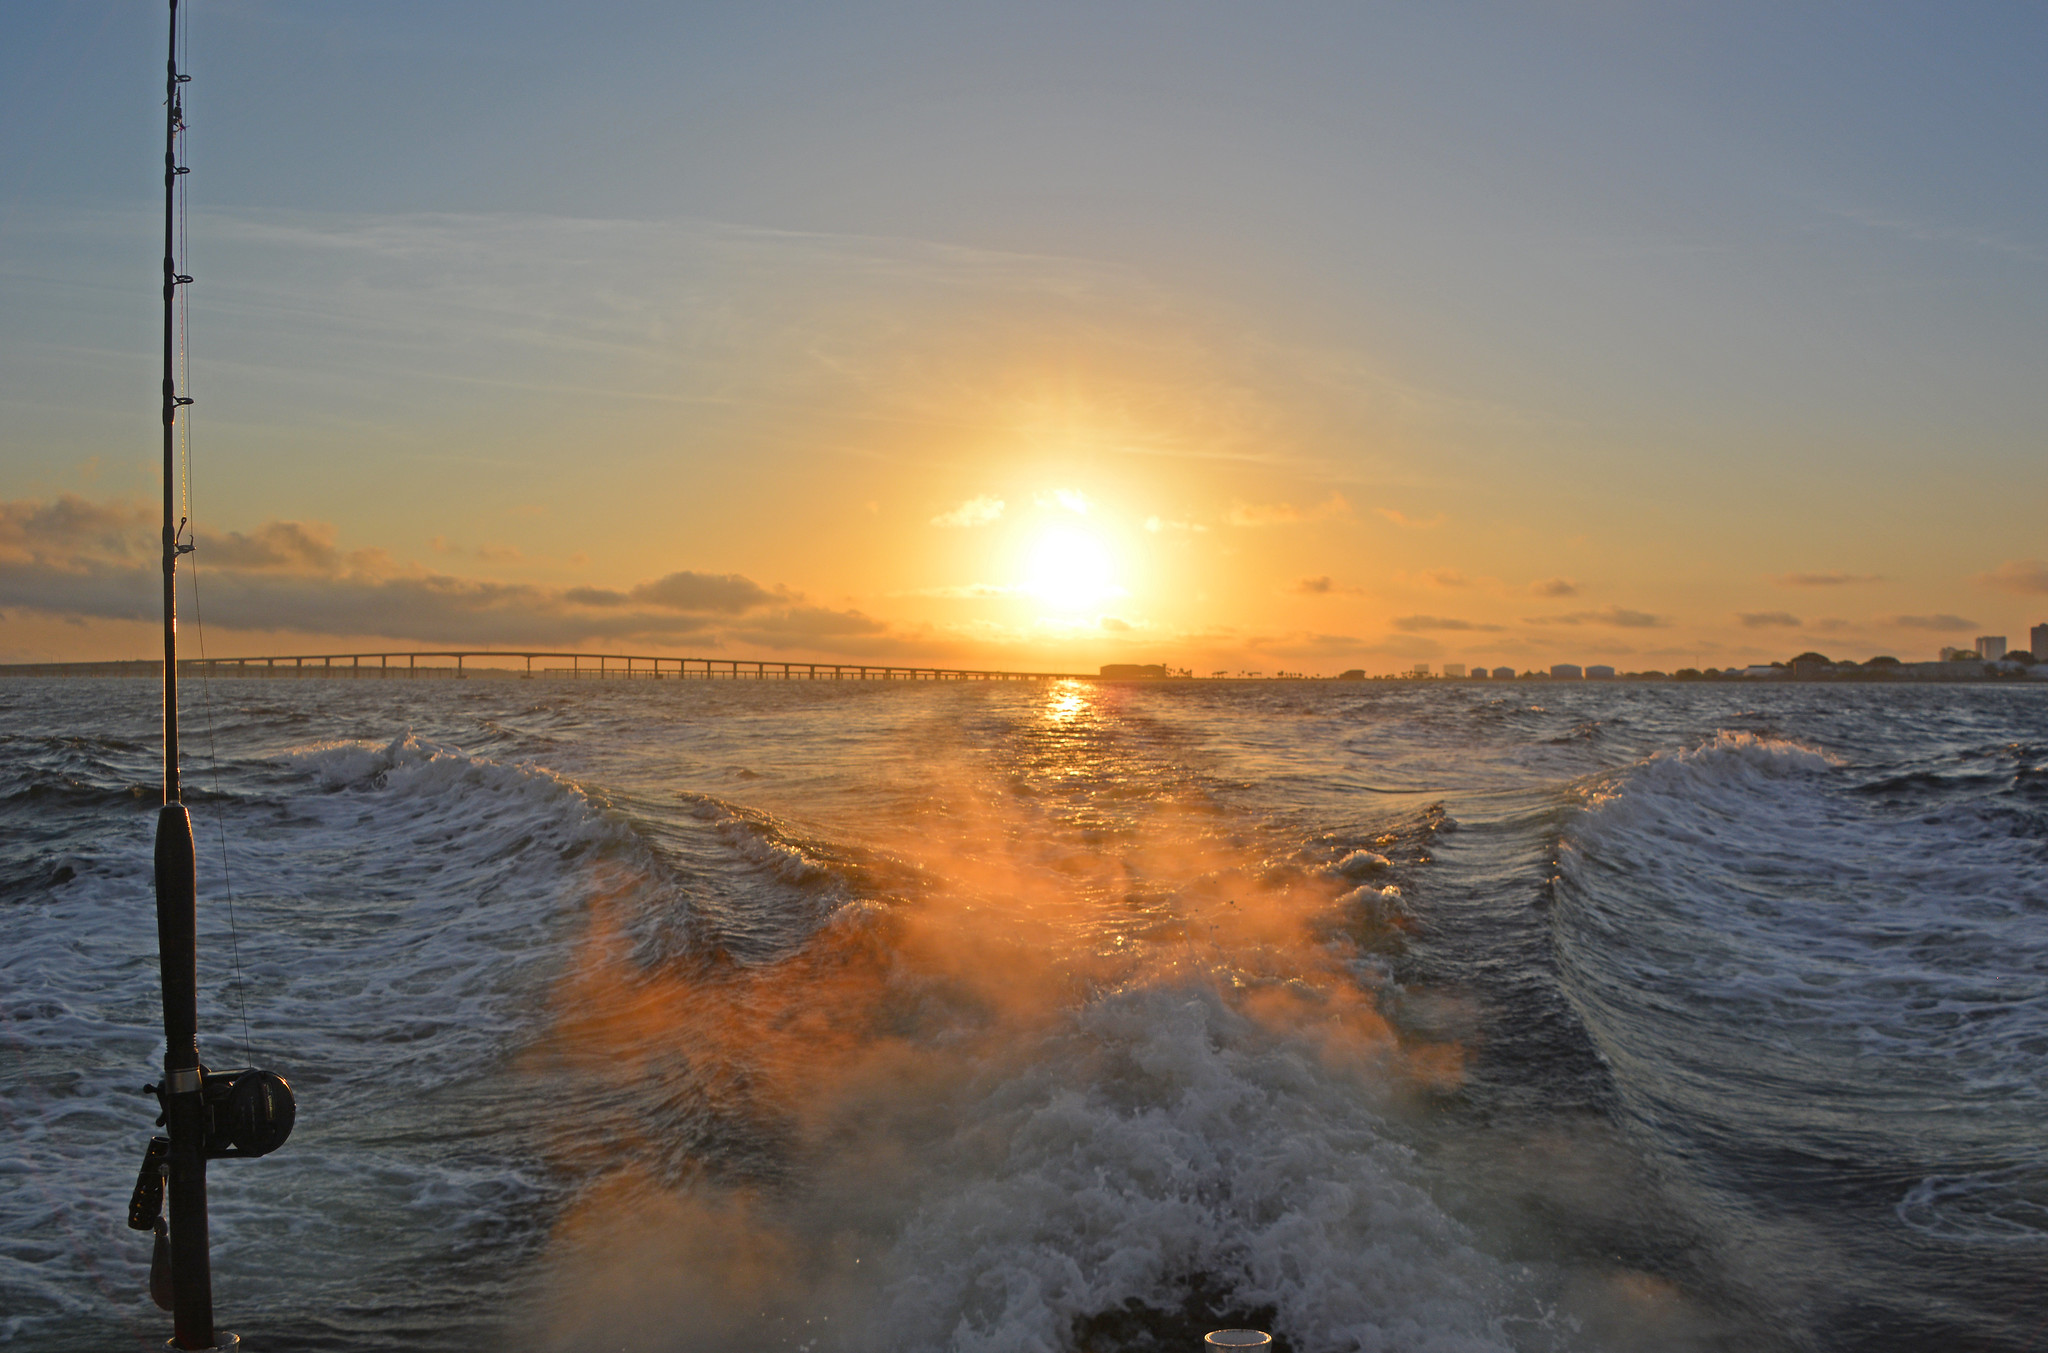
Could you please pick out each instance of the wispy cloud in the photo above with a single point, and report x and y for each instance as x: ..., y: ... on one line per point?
x: 1757, y: 620
x: 1418, y: 624
x: 1941, y: 232
x: 1942, y: 621
x: 1280, y: 514
x: 1068, y: 500
x: 1323, y: 586
x: 1831, y: 578
x: 977, y: 511
x: 490, y: 554
x: 967, y: 591
x: 1554, y: 587
x: 1620, y: 617
x: 1400, y: 518
x: 2017, y: 575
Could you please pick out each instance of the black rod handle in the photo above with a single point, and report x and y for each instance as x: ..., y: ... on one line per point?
x: 177, y: 937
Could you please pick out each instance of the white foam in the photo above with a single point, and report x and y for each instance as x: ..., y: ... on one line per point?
x: 2003, y: 1207
x: 1198, y: 1146
x: 1360, y: 864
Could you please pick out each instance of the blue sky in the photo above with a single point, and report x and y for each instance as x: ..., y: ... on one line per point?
x: 1671, y: 302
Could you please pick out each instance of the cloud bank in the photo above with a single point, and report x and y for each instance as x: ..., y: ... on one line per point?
x: 75, y: 558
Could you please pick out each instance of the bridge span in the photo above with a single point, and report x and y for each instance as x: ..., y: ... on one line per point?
x: 425, y: 663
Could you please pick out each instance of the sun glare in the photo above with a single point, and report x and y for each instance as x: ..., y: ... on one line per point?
x: 1071, y: 569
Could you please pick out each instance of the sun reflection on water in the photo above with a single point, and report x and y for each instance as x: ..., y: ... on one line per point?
x: 1067, y: 701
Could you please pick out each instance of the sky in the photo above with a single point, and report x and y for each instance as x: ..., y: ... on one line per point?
x: 1274, y: 338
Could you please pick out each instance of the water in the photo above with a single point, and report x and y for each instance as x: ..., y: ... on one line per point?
x: 859, y: 1016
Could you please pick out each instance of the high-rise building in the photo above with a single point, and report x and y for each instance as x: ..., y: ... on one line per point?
x: 1454, y: 669
x: 2037, y: 639
x: 1991, y: 647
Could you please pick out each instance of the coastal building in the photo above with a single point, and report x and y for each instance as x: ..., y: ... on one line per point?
x: 1508, y: 673
x: 1420, y: 669
x: 1567, y: 671
x: 1454, y: 669
x: 1599, y: 671
x: 2037, y: 639
x: 1479, y: 669
x: 1991, y: 647
x: 1958, y: 655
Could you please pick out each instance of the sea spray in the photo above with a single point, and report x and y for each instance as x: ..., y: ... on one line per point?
x: 1059, y: 1016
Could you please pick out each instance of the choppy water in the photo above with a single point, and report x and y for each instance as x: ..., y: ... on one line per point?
x: 861, y: 1017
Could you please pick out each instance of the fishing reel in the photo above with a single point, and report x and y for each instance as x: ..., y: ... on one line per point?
x: 248, y: 1112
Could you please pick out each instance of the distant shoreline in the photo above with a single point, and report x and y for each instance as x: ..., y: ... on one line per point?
x: 1906, y: 674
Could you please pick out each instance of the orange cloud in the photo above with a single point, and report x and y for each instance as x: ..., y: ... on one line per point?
x: 977, y: 511
x: 1280, y: 514
x: 1417, y: 624
x: 1620, y: 617
x: 1400, y: 518
x: 1941, y: 621
x: 1828, y: 579
x: 2017, y: 575
x: 277, y: 546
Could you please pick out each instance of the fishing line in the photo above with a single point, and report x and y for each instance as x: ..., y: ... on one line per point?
x: 220, y: 816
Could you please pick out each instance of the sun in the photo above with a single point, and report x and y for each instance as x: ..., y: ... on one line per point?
x: 1070, y: 568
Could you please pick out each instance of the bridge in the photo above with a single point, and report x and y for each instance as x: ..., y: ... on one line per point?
x: 464, y: 662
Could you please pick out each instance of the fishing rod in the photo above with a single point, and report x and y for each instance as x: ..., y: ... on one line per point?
x: 207, y: 1115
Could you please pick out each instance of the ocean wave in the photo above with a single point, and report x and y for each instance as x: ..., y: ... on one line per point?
x: 2001, y: 1207
x: 1803, y: 991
